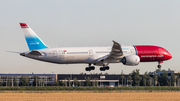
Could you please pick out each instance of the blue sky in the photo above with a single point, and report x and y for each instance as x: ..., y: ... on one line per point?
x: 88, y: 23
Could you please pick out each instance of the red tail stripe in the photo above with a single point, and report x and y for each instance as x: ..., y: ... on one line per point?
x: 23, y: 25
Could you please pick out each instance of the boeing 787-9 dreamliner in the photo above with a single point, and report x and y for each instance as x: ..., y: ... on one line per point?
x: 99, y: 56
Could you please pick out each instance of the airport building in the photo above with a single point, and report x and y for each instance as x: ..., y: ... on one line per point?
x: 45, y: 78
x: 100, y: 79
x: 104, y: 80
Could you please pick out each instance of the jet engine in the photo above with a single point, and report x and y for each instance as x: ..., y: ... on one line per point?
x: 131, y: 60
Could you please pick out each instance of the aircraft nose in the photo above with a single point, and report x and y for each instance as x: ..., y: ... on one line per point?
x: 169, y: 56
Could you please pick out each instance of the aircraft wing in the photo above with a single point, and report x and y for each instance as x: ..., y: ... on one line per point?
x: 115, y: 54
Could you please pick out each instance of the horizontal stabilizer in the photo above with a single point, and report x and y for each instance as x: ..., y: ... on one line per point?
x: 13, y: 52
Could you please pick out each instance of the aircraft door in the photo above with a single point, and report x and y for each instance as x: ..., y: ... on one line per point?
x: 90, y: 52
x: 54, y: 53
x: 132, y: 51
x: 61, y: 54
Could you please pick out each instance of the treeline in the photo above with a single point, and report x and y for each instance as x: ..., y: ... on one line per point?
x: 150, y: 79
x: 25, y: 81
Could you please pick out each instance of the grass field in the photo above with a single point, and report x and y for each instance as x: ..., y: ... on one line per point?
x: 90, y: 96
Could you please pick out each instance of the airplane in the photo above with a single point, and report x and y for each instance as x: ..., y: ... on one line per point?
x: 98, y: 56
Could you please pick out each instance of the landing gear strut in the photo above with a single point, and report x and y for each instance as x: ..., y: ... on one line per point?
x: 159, y: 66
x: 105, y: 66
x: 89, y: 68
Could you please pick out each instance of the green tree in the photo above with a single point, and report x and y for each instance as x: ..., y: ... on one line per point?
x: 163, y: 79
x: 14, y: 81
x: 135, y: 77
x: 56, y: 83
x: 42, y: 82
x: 61, y: 83
x: 129, y: 80
x: 21, y: 81
x: 159, y: 69
x: 79, y: 83
x: 69, y: 82
x: 96, y: 82
x: 155, y: 77
x: 87, y: 81
x: 35, y: 81
x: 178, y: 78
x: 65, y: 82
x: 178, y: 75
x: 26, y: 80
x: 76, y: 82
x: 122, y: 79
x: 1, y: 83
x: 169, y: 69
x: 8, y: 81
x: 149, y: 80
x: 144, y: 78
x: 173, y: 79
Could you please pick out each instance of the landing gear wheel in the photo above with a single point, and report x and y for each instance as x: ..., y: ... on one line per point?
x: 159, y: 66
x: 107, y: 67
x: 92, y: 67
x: 87, y: 69
x: 102, y: 69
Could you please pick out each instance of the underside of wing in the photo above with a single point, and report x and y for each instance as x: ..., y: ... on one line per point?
x: 114, y: 56
x: 116, y: 52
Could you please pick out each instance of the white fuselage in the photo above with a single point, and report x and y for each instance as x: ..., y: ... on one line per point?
x: 102, y: 56
x: 69, y: 55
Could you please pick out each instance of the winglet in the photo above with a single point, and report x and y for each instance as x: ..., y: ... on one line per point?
x: 115, y: 42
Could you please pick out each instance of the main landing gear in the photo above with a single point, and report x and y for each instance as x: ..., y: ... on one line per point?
x: 104, y: 68
x: 89, y: 68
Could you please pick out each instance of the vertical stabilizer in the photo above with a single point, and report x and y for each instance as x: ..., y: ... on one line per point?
x: 33, y: 41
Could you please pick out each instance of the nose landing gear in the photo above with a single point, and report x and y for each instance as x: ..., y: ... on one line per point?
x: 159, y: 66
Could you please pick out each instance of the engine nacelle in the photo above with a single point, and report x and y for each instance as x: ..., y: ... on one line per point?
x: 131, y: 60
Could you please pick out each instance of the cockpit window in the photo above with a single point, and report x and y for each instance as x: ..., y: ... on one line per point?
x: 167, y: 51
